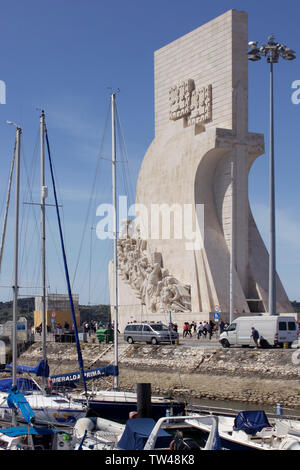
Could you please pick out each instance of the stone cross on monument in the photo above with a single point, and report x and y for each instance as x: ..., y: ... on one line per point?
x: 201, y: 127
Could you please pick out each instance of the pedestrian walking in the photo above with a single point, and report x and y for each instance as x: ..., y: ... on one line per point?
x: 86, y: 327
x: 221, y: 326
x: 200, y: 330
x: 211, y: 329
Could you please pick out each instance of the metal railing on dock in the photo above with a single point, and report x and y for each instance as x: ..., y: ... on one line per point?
x: 233, y: 412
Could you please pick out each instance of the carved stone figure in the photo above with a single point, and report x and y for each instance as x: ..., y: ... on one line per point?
x: 151, y: 283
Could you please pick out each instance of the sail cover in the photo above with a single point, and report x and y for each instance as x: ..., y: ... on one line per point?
x: 251, y: 422
x: 65, y: 379
x: 17, y: 400
x: 40, y: 370
x: 24, y: 385
x: 137, y: 432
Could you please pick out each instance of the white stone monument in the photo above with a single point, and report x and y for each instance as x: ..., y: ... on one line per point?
x: 201, y: 129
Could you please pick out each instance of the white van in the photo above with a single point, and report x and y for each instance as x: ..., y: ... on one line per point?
x: 275, y: 330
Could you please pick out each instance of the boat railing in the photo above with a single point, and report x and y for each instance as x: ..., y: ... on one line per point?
x: 150, y: 444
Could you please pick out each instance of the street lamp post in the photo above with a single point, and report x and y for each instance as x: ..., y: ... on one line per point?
x: 272, y: 51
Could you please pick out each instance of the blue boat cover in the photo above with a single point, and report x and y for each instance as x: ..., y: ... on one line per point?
x: 71, y: 377
x: 40, y: 370
x: 251, y: 422
x: 17, y: 431
x: 23, y: 385
x: 138, y: 430
x: 17, y: 400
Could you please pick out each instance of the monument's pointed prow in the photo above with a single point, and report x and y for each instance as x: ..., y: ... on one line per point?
x: 179, y: 260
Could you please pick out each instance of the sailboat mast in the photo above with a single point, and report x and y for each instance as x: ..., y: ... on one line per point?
x: 43, y: 238
x: 16, y: 258
x: 115, y: 236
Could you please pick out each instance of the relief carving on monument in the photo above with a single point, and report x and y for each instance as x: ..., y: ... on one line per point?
x: 180, y: 99
x: 152, y: 283
x: 189, y: 103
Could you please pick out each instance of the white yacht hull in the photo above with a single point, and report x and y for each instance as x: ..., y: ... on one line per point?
x: 52, y: 409
x: 267, y: 439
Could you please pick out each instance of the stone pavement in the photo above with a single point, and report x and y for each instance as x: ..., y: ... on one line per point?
x: 202, y: 342
x: 187, y: 341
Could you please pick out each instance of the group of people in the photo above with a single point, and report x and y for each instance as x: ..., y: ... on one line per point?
x: 56, y: 327
x: 204, y: 329
x: 89, y: 327
x: 92, y: 326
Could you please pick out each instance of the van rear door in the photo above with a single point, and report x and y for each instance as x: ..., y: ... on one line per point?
x: 292, y: 331
x: 282, y: 331
x: 287, y: 330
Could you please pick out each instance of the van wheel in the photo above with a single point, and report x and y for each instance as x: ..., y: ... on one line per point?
x: 153, y: 341
x: 225, y: 343
x: 129, y: 340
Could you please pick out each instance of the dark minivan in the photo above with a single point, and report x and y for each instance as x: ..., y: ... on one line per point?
x: 150, y: 333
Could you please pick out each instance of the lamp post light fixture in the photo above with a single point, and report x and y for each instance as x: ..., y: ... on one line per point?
x: 272, y: 51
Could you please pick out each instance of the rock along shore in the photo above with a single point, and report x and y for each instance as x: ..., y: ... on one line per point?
x: 245, y: 375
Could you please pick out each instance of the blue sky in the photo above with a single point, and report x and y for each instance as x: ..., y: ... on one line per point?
x: 63, y: 55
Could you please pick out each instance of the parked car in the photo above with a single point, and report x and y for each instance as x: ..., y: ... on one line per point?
x: 273, y: 330
x: 149, y: 332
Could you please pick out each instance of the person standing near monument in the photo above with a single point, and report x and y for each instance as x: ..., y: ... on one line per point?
x: 255, y: 336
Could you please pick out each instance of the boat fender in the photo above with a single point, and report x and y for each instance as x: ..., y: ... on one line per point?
x: 108, y: 426
x: 82, y: 425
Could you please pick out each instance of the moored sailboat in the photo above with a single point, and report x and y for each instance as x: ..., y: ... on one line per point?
x: 50, y: 409
x: 117, y: 404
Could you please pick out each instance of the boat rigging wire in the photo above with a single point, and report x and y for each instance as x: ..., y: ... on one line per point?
x: 7, y: 206
x: 91, y: 198
x: 126, y: 188
x: 80, y: 360
x: 26, y: 221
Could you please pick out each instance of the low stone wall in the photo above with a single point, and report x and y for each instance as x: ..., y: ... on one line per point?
x: 228, y: 362
x: 246, y: 375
